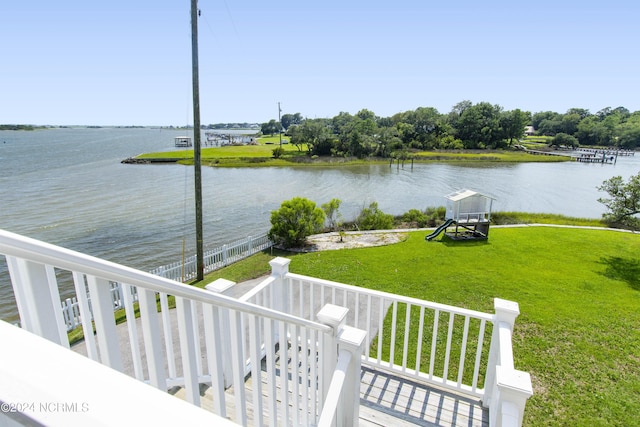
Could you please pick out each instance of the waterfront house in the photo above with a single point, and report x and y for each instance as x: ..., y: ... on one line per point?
x: 292, y: 350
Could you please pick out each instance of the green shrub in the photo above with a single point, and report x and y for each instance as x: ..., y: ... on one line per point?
x: 372, y: 218
x: 294, y: 221
x: 415, y: 217
x: 435, y: 216
x: 277, y: 152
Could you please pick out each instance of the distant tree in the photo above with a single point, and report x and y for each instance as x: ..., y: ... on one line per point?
x: 537, y: 118
x: 622, y: 111
x: 570, y: 123
x: 315, y: 135
x: 428, y: 126
x: 294, y: 221
x: 456, y: 112
x: 550, y: 127
x: 286, y: 120
x: 587, y: 131
x: 339, y: 122
x: 602, y: 114
x: 562, y: 139
x: 628, y: 133
x: 624, y: 202
x: 388, y: 139
x: 290, y: 119
x: 513, y: 123
x: 356, y: 134
x: 479, y: 126
x: 581, y: 112
x: 270, y: 128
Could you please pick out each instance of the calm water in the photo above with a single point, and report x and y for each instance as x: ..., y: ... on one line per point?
x: 67, y: 187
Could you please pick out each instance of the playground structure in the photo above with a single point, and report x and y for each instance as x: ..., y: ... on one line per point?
x: 467, y: 218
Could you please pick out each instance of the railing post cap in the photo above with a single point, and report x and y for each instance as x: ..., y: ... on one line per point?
x: 513, y: 382
x: 504, y: 305
x: 280, y: 265
x: 333, y: 315
x: 218, y: 286
x: 352, y: 338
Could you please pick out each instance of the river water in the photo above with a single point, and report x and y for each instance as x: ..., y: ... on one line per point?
x: 68, y: 187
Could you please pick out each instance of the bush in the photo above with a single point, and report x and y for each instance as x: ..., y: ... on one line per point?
x: 623, y: 204
x: 415, y: 217
x: 294, y: 221
x: 564, y: 140
x: 277, y: 152
x: 332, y: 214
x: 372, y: 218
x: 435, y: 216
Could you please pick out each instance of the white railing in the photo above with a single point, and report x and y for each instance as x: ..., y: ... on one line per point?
x: 468, y: 217
x: 71, y: 306
x: 463, y: 350
x: 182, y: 272
x: 215, y: 259
x: 507, y: 389
x: 219, y: 340
x: 452, y: 343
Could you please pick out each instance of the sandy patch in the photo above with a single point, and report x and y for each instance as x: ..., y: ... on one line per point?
x: 350, y: 240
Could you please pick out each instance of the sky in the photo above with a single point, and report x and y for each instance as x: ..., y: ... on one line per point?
x: 128, y: 62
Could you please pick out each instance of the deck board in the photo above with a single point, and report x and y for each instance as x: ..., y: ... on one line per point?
x: 385, y: 400
x: 415, y: 403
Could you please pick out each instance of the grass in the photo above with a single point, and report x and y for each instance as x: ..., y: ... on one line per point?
x: 487, y: 156
x: 505, y: 218
x: 579, y: 296
x: 262, y: 155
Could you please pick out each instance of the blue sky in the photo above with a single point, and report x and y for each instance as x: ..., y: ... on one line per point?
x: 128, y: 62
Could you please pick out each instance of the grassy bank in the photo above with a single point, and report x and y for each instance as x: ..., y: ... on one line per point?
x: 262, y: 155
x: 579, y: 296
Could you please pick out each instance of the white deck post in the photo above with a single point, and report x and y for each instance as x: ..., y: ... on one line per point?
x: 506, y: 314
x: 279, y: 296
x: 514, y: 388
x: 220, y: 286
x: 335, y: 317
x: 38, y: 299
x: 506, y: 389
x: 351, y: 340
x: 279, y: 269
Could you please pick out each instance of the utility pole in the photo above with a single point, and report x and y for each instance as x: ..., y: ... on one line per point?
x: 196, y: 139
x: 280, y: 123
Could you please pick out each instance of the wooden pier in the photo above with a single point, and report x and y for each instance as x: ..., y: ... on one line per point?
x: 587, y: 155
x: 595, y: 158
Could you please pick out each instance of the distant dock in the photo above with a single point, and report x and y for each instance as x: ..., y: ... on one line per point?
x: 587, y: 155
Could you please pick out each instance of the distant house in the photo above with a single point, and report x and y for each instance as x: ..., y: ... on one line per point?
x: 528, y: 130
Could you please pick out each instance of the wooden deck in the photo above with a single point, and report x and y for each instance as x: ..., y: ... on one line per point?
x: 387, y: 400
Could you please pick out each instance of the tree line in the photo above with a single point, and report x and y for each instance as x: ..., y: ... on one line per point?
x: 466, y: 126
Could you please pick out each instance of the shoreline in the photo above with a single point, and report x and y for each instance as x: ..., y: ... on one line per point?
x: 222, y: 158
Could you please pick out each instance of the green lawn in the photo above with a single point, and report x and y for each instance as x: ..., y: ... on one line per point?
x: 578, y: 334
x: 262, y: 155
x: 488, y: 156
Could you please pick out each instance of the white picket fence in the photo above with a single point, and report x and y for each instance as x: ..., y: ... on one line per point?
x: 213, y: 259
x: 71, y: 308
